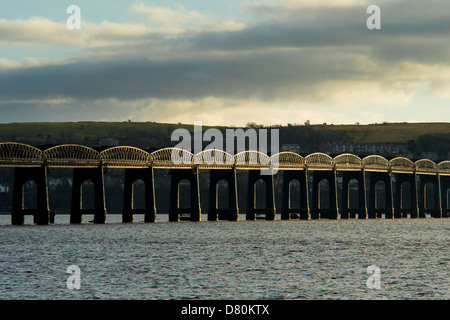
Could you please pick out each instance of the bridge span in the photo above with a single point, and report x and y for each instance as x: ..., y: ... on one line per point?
x: 31, y: 163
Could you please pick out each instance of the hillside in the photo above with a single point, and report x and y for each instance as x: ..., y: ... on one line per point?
x: 391, y: 132
x: 419, y: 137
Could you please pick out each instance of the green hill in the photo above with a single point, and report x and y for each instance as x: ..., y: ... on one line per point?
x: 420, y: 137
x: 391, y: 132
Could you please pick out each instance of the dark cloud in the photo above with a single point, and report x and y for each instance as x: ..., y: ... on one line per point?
x: 289, y: 54
x: 410, y: 30
x: 265, y: 75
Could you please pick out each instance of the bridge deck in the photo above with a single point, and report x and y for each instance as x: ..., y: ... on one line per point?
x: 13, y: 154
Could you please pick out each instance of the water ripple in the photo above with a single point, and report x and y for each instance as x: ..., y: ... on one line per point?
x: 227, y: 260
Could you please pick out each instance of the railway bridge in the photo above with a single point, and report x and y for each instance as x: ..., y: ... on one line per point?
x: 309, y: 173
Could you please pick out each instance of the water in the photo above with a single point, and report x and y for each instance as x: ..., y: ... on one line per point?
x: 324, y: 259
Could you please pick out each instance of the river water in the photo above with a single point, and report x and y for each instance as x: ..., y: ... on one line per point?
x: 316, y: 259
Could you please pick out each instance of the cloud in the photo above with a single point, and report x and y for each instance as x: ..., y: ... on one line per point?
x: 297, y: 59
x: 38, y: 30
x: 267, y: 75
x: 28, y: 62
x: 410, y: 30
x: 180, y: 20
x: 270, y: 87
x: 226, y: 111
x: 209, y: 110
x: 35, y: 29
x: 306, y: 74
x: 297, y: 4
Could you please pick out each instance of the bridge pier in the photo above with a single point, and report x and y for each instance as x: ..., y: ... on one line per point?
x: 175, y: 212
x: 422, y: 180
x: 316, y: 211
x: 231, y: 213
x: 344, y: 210
x: 288, y: 213
x: 96, y: 176
x: 131, y: 176
x: 400, y: 178
x: 444, y: 186
x: 41, y: 214
x: 253, y: 213
x: 372, y: 211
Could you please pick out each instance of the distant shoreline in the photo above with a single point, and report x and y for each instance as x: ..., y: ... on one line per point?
x: 39, y: 133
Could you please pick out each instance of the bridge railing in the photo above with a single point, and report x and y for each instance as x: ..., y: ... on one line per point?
x: 287, y: 160
x: 375, y: 163
x: 125, y: 157
x: 319, y: 161
x: 252, y: 160
x: 214, y: 159
x: 401, y: 165
x: 444, y: 168
x: 347, y: 161
x: 14, y: 154
x: 426, y: 166
x: 72, y: 155
x: 172, y: 158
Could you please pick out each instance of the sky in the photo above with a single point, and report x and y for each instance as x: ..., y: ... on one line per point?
x: 225, y: 62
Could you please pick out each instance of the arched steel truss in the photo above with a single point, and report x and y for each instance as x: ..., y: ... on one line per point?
x: 288, y: 161
x: 13, y: 154
x: 71, y: 155
x: 125, y: 157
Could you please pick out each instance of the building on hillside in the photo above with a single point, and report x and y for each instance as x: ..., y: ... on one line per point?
x: 430, y: 155
x: 293, y: 147
x: 108, y: 142
x: 361, y: 149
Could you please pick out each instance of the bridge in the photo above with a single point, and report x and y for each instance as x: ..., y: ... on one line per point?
x: 31, y: 163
